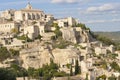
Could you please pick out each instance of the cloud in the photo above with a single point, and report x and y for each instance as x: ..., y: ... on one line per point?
x: 13, y: 3
x: 70, y: 1
x: 105, y: 7
x: 65, y: 1
x: 101, y: 21
x: 22, y: 2
x: 112, y: 8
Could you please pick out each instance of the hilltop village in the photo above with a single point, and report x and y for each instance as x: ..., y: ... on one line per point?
x: 31, y: 38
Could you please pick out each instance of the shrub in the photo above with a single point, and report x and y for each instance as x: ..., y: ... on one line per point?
x: 115, y: 66
x: 7, y: 74
x: 4, y: 53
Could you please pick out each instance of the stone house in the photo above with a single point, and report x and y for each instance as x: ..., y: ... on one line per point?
x: 31, y: 31
x: 65, y: 22
x: 7, y: 27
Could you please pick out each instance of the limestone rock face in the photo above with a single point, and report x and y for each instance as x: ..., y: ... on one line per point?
x: 35, y: 57
x: 65, y: 56
x: 76, y: 35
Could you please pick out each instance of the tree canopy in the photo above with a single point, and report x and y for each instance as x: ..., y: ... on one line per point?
x: 6, y: 74
x: 4, y: 53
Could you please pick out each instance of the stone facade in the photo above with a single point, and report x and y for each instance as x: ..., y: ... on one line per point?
x: 31, y: 31
x: 8, y: 14
x: 7, y: 27
x: 100, y: 50
x: 65, y: 22
x: 31, y: 14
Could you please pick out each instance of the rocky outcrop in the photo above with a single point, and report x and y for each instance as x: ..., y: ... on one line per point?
x: 38, y: 56
x: 76, y: 35
x: 65, y: 56
x: 35, y: 57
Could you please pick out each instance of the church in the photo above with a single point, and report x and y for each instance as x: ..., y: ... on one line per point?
x: 28, y: 13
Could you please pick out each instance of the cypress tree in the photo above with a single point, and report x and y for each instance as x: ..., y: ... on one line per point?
x: 71, y: 71
x: 77, y: 68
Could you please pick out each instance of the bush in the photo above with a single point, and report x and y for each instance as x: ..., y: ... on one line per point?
x: 25, y: 38
x: 83, y: 26
x: 53, y: 38
x: 4, y: 53
x: 39, y: 37
x: 112, y: 78
x: 61, y: 45
x: 60, y: 74
x: 47, y: 71
x: 115, y: 66
x: 6, y: 74
x: 103, y: 77
x: 14, y: 52
x: 105, y: 40
x: 19, y: 71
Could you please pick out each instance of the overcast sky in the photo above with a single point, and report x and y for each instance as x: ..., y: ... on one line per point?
x: 99, y: 15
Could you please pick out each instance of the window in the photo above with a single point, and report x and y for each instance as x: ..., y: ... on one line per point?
x: 29, y: 16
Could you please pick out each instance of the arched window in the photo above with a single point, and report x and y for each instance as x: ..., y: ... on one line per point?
x: 29, y: 16
x: 33, y: 16
x: 38, y: 16
x: 24, y: 16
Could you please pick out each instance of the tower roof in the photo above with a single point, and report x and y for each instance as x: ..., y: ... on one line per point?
x: 29, y: 6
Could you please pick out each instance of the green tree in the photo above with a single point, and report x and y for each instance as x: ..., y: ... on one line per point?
x: 6, y: 74
x: 105, y: 40
x: 83, y: 26
x: 25, y: 38
x: 103, y: 77
x: 14, y: 52
x: 4, y: 53
x: 31, y: 72
x: 71, y: 70
x: 14, y: 30
x: 18, y: 70
x: 39, y: 37
x: 86, y: 77
x: 47, y: 71
x: 115, y: 66
x: 57, y: 31
x: 119, y: 77
x: 77, y: 68
x: 112, y: 78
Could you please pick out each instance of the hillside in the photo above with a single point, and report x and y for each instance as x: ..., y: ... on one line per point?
x: 112, y: 35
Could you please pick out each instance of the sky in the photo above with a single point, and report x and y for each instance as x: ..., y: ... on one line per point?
x: 98, y: 15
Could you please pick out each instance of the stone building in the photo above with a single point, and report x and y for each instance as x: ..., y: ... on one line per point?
x: 31, y: 14
x: 65, y: 22
x: 111, y: 48
x: 31, y: 31
x: 7, y: 14
x: 100, y: 49
x: 6, y: 27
